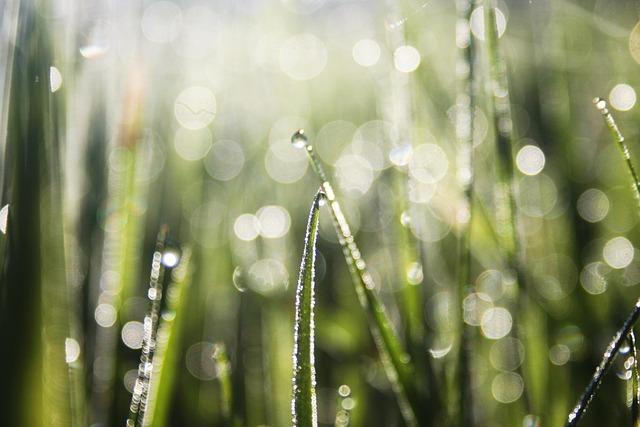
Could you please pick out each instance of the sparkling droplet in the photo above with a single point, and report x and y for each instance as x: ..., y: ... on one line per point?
x: 414, y: 273
x: 299, y: 139
x: 170, y: 258
x: 239, y: 279
x: 405, y: 218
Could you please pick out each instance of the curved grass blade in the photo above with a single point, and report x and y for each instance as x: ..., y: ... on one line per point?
x: 394, y: 359
x: 617, y: 136
x: 303, y: 404
x: 626, y: 330
x: 607, y: 360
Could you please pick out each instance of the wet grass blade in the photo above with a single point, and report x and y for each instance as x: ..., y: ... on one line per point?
x: 168, y: 344
x: 223, y: 370
x: 617, y: 136
x: 394, y: 359
x: 635, y: 382
x: 303, y: 405
x: 605, y: 364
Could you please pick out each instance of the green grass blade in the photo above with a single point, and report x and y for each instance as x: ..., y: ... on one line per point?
x: 394, y: 359
x: 617, y: 136
x: 168, y: 341
x: 635, y: 381
x: 607, y: 360
x: 223, y: 370
x: 303, y: 404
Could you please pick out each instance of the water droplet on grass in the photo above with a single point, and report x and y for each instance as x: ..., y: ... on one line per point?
x: 299, y: 139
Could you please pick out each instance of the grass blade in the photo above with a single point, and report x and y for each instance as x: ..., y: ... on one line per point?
x: 393, y: 357
x: 168, y: 344
x: 635, y: 381
x: 607, y: 360
x: 617, y: 136
x: 303, y: 404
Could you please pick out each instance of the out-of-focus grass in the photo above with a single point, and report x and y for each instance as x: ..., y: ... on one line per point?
x: 180, y: 113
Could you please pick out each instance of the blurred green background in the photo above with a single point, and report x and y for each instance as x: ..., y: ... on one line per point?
x: 120, y: 116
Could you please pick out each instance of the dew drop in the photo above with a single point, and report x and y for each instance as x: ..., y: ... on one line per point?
x: 405, y: 218
x: 239, y: 279
x: 299, y: 139
x: 170, y: 258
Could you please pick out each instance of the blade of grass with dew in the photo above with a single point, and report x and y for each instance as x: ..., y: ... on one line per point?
x: 635, y: 382
x: 168, y: 342
x: 605, y: 364
x: 303, y: 404
x: 141, y: 387
x: 462, y: 407
x: 609, y: 355
x: 394, y: 359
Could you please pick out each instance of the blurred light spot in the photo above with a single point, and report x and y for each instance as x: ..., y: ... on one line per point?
x: 344, y: 390
x: 55, y: 79
x: 4, y: 217
x: 105, y: 315
x: 429, y: 226
x: 274, y: 221
x: 195, y: 107
x: 406, y: 59
x: 592, y: 278
x: 354, y: 175
x: 490, y: 282
x: 225, y: 160
x: 200, y: 34
x: 618, y: 252
x: 71, y: 350
x: 348, y: 404
x: 333, y: 138
x: 507, y: 387
x: 622, y: 97
x: 401, y: 155
x: 559, y: 354
x: 428, y: 164
x: 192, y: 145
x: 285, y: 163
x: 496, y: 323
x: 200, y: 362
x: 593, y: 205
x: 366, y: 52
x: 95, y: 40
x: 268, y: 276
x: 537, y: 195
x: 474, y: 306
x: 506, y: 354
x: 132, y: 333
x: 161, y: 21
x: 303, y: 56
x: 477, y: 22
x: 129, y: 380
x: 246, y: 227
x: 530, y: 160
x: 170, y: 258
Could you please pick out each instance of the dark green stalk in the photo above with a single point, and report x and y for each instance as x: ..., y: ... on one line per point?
x: 394, y: 358
x: 635, y: 381
x: 303, y: 405
x: 464, y: 132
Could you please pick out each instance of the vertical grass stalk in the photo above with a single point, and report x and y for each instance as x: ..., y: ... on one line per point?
x: 463, y: 407
x: 303, y: 403
x: 394, y: 359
